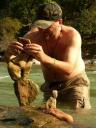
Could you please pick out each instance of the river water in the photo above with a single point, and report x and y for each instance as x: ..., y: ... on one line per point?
x: 86, y: 119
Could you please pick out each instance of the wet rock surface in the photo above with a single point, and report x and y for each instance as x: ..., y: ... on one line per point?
x: 28, y: 117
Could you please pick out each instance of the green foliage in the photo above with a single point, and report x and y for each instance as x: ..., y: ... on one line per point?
x: 86, y: 23
x: 8, y: 29
x: 26, y: 10
x: 4, y: 8
x: 80, y: 14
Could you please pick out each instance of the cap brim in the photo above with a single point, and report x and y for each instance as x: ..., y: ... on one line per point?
x: 42, y: 24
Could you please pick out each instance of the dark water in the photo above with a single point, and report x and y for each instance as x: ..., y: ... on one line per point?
x: 86, y: 119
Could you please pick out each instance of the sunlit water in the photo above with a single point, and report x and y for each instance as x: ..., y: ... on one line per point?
x: 86, y: 119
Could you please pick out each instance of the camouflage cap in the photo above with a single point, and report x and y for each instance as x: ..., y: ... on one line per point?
x: 42, y: 23
x: 49, y: 11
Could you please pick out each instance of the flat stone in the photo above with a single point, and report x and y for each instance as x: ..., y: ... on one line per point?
x: 28, y: 117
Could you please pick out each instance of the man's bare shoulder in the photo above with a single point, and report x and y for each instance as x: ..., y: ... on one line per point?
x: 70, y: 30
x: 72, y: 34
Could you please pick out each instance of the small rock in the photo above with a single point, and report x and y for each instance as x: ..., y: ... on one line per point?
x: 25, y: 121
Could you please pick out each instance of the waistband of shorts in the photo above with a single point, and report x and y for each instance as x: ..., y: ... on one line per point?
x: 66, y: 83
x: 82, y: 74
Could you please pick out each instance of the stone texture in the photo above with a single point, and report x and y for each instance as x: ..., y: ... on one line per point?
x: 28, y: 117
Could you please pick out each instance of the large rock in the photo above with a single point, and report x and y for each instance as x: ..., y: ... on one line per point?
x: 28, y: 117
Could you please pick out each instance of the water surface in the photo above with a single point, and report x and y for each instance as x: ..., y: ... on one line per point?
x: 7, y: 96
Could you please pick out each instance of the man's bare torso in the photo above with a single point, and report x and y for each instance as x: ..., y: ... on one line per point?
x: 59, y: 49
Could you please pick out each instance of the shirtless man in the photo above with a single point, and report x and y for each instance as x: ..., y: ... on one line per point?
x: 58, y: 48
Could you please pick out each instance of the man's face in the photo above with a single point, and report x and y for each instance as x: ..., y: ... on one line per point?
x: 53, y: 31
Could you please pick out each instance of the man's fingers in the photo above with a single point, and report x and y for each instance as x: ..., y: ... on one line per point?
x: 16, y: 47
x: 33, y: 47
x: 16, y: 43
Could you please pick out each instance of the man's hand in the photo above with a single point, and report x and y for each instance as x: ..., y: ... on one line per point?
x: 14, y: 48
x: 35, y: 50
